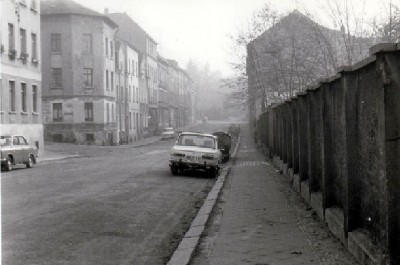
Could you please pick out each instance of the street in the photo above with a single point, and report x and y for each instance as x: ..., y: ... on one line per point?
x: 111, y: 205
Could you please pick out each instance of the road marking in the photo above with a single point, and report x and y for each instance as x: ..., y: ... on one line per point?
x: 251, y: 163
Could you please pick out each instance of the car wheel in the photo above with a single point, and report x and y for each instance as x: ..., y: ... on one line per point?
x: 174, y: 170
x: 213, y: 173
x: 30, y: 162
x: 8, y: 166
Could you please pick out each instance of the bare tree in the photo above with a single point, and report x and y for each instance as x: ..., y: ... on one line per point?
x: 387, y: 28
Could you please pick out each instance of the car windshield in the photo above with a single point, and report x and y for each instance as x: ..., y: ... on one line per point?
x: 168, y: 130
x: 197, y: 140
x: 5, y: 140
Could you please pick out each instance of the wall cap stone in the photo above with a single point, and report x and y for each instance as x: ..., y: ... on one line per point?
x: 365, y: 62
x: 313, y: 87
x: 384, y: 47
x: 333, y: 78
x: 301, y: 94
x: 323, y: 80
x: 344, y: 68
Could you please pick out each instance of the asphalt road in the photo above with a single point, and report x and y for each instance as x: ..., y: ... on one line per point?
x: 111, y: 206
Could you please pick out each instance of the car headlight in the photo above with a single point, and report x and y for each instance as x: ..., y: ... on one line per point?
x: 178, y: 154
x: 208, y: 157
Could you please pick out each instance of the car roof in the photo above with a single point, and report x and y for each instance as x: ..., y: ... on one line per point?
x: 197, y: 133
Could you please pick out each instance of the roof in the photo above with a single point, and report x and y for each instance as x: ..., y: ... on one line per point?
x: 52, y: 7
x: 130, y: 31
x: 197, y: 133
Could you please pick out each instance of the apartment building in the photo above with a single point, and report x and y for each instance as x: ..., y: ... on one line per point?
x: 129, y: 123
x: 78, y: 67
x: 132, y: 33
x: 20, y: 78
x: 164, y: 88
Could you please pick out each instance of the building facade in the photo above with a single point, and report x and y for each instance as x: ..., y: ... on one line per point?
x: 78, y: 66
x: 133, y: 34
x: 164, y: 88
x: 21, y: 80
x: 127, y: 86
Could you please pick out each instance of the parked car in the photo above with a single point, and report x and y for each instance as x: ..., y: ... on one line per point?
x: 16, y: 150
x: 224, y: 144
x: 197, y: 151
x: 168, y: 133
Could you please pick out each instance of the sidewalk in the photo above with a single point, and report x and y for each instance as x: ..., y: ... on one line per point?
x: 260, y: 220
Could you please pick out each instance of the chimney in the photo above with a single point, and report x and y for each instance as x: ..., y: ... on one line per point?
x: 106, y: 11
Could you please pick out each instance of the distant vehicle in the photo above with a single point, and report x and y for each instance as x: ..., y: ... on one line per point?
x: 197, y: 151
x: 224, y: 144
x: 168, y: 133
x: 16, y: 150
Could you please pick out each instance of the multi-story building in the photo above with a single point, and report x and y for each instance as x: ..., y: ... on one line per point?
x: 127, y: 86
x: 164, y: 89
x: 173, y: 95
x: 132, y: 33
x: 21, y: 79
x: 181, y: 95
x: 78, y: 66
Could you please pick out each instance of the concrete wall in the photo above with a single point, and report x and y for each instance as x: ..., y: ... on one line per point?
x: 342, y: 137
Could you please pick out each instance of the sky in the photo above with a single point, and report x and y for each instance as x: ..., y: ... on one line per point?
x: 200, y: 29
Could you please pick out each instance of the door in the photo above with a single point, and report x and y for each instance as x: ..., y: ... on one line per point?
x: 22, y: 149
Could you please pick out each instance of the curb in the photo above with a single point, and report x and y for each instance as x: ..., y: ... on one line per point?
x: 56, y: 158
x: 183, y: 254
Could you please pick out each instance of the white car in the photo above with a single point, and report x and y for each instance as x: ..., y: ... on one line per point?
x: 168, y: 133
x: 195, y: 151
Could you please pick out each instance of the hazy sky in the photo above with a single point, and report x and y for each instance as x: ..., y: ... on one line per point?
x: 200, y: 29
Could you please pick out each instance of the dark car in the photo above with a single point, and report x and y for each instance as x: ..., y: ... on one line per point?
x: 16, y: 150
x: 224, y: 144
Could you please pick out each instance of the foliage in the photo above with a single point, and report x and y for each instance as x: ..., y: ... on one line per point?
x: 388, y: 27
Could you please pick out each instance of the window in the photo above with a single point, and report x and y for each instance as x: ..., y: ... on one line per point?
x: 34, y: 98
x: 22, y: 39
x: 1, y: 97
x: 23, y: 97
x: 112, y: 112
x: 11, y: 88
x: 106, y: 47
x: 34, y: 46
x: 11, y: 37
x: 57, y: 112
x: 88, y: 111
x: 56, y: 77
x: 87, y: 43
x: 88, y: 77
x: 108, y: 112
x: 107, y: 83
x: 111, y: 49
x: 55, y: 42
x: 112, y: 80
x: 34, y: 5
x: 90, y: 137
x: 130, y: 120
